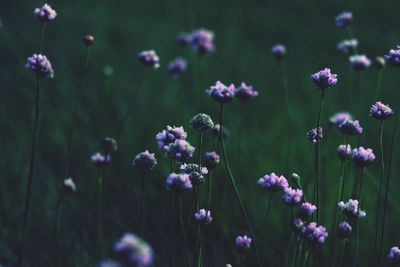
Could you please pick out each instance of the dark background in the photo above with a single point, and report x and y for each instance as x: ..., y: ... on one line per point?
x: 244, y: 33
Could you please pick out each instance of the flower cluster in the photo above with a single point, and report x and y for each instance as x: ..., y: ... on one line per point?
x: 221, y: 93
x: 273, y: 183
x: 338, y: 118
x: 347, y: 46
x: 135, y: 250
x: 69, y: 186
x: 344, y: 19
x: 180, y: 150
x: 362, y: 157
x: 324, y: 78
x: 279, y: 51
x: 145, y: 160
x: 149, y: 58
x: 344, y: 152
x: 202, y: 41
x: 211, y: 160
x: 350, y: 127
x: 242, y: 243
x: 195, y: 172
x: 40, y: 65
x: 177, y: 66
x: 393, y: 57
x: 380, y: 111
x: 108, y: 144
x: 351, y: 209
x: 394, y: 255
x: 45, y: 13
x: 202, y: 123
x: 344, y: 229
x: 314, y: 233
x: 315, y: 135
x: 178, y: 182
x: 306, y: 210
x: 169, y: 135
x: 359, y: 62
x: 292, y: 197
x: 203, y: 217
x: 245, y: 92
x: 100, y: 160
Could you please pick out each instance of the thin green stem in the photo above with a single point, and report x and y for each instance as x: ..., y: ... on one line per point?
x: 358, y: 219
x: 200, y: 147
x: 266, y: 225
x: 185, y: 244
x: 199, y: 255
x: 290, y: 237
x: 42, y: 37
x: 141, y: 201
x: 58, y: 227
x: 342, y: 252
x: 210, y: 176
x: 316, y: 159
x: 172, y: 231
x: 379, y: 83
x: 285, y: 84
x: 100, y: 214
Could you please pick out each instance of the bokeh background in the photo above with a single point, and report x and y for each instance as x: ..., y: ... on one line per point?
x: 244, y: 34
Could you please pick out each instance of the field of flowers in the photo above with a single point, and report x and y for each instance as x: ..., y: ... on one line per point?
x: 209, y: 133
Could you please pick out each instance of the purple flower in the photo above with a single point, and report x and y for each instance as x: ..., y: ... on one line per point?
x: 243, y: 243
x: 40, y: 65
x: 380, y: 62
x: 109, y: 263
x: 69, y: 186
x: 211, y: 160
x: 344, y: 230
x: 202, y: 41
x: 145, y: 161
x: 203, y: 216
x: 99, y: 160
x: 169, y: 135
x: 149, y: 58
x: 177, y: 66
x: 394, y: 255
x: 362, y: 157
x: 344, y: 152
x: 135, y: 249
x: 108, y: 144
x: 183, y: 39
x: 380, y: 111
x: 340, y: 117
x: 202, y: 123
x: 88, y: 40
x: 45, y: 13
x: 306, y: 209
x: 273, y: 183
x: 350, y: 127
x: 195, y: 172
x: 347, y: 46
x: 393, y: 57
x: 180, y: 150
x: 351, y: 209
x: 245, y: 92
x: 178, y: 182
x: 292, y: 197
x: 359, y: 62
x: 315, y: 136
x: 221, y: 93
x: 324, y: 78
x: 298, y: 224
x: 279, y: 51
x: 314, y: 233
x: 344, y: 19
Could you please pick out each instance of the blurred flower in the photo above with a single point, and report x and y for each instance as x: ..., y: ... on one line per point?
x: 393, y: 57
x: 145, y: 160
x: 136, y: 250
x: 169, y: 135
x: 88, y: 40
x: 245, y: 92
x: 69, y: 186
x: 380, y: 111
x: 149, y: 58
x: 340, y: 117
x: 324, y: 78
x: 108, y: 71
x: 40, y: 65
x: 177, y: 66
x: 243, y: 243
x: 45, y: 13
x: 273, y: 183
x: 380, y: 62
x: 202, y: 123
x: 314, y: 136
x: 306, y: 209
x: 359, y: 62
x: 109, y: 263
x: 362, y: 157
x: 178, y: 182
x: 180, y: 150
x: 350, y: 127
x: 109, y: 145
x: 203, y: 217
x: 314, y: 233
x: 195, y: 172
x: 344, y: 19
x: 99, y: 160
x: 221, y: 93
x: 298, y: 224
x: 292, y: 197
x: 344, y: 152
x: 211, y: 159
x: 347, y: 46
x: 394, y: 256
x: 295, y: 177
x: 183, y: 39
x: 351, y: 209
x: 344, y: 230
x: 279, y: 51
x: 202, y: 41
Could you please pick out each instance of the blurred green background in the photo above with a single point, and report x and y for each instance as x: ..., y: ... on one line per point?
x: 244, y: 34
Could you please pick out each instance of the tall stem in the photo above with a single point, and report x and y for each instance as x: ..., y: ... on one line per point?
x: 42, y: 37
x: 210, y: 189
x: 233, y: 182
x: 266, y: 224
x: 58, y: 227
x: 185, y: 244
x: 290, y: 237
x: 358, y: 219
x: 30, y: 174
x: 285, y: 84
x: 141, y: 201
x: 378, y: 83
x: 316, y: 158
x: 100, y: 213
x: 172, y: 231
x: 199, y: 255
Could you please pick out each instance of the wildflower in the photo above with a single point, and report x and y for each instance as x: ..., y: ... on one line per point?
x: 88, y: 40
x: 380, y: 111
x: 298, y: 224
x: 394, y: 255
x: 177, y: 66
x: 195, y: 172
x: 69, y: 186
x: 243, y: 243
x: 340, y: 117
x: 380, y: 62
x: 279, y: 51
x: 149, y: 58
x: 109, y: 263
x: 202, y: 123
x: 306, y: 210
x: 350, y: 127
x: 184, y: 39
x: 245, y: 92
x: 108, y: 71
x: 347, y: 46
x: 178, y: 182
x: 344, y: 230
x: 359, y: 62
x: 273, y: 183
x: 292, y: 196
x: 169, y: 135
x: 100, y: 160
x: 362, y: 157
x: 351, y: 209
x: 40, y: 65
x: 180, y: 150
x: 314, y: 233
x: 211, y: 159
x: 109, y: 145
x: 314, y: 136
x: 344, y: 19
x: 203, y: 216
x: 45, y: 13
x: 344, y: 152
x: 136, y: 250
x: 221, y: 93
x: 324, y: 78
x: 202, y: 41
x: 145, y: 160
x: 393, y: 57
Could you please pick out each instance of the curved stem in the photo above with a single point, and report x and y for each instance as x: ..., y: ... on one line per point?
x: 358, y: 219
x: 266, y: 224
x: 316, y: 159
x: 30, y: 174
x: 141, y: 201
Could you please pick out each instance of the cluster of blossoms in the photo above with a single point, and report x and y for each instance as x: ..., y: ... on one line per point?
x: 178, y: 182
x: 344, y: 152
x: 180, y: 150
x: 347, y: 46
x: 350, y: 127
x: 202, y: 123
x: 167, y: 136
x: 360, y: 62
x: 149, y: 58
x: 306, y: 209
x: 394, y: 256
x: 221, y: 93
x: 200, y: 40
x: 245, y: 92
x: 351, y: 209
x: 100, y: 160
x: 195, y: 172
x: 135, y: 250
x: 324, y: 78
x: 145, y: 160
x: 69, y: 186
x: 243, y: 243
x: 344, y: 230
x: 108, y: 145
x: 40, y: 65
x: 292, y: 197
x: 344, y: 19
x: 203, y: 217
x: 362, y: 157
x: 380, y: 111
x: 340, y: 117
x: 45, y: 13
x: 177, y: 66
x: 315, y: 135
x: 393, y: 57
x: 211, y: 160
x: 314, y: 233
x: 273, y: 183
x: 279, y: 51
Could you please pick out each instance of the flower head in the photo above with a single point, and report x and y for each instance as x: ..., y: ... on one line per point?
x: 202, y: 123
x: 363, y: 157
x: 195, y: 172
x: 350, y: 127
x: 203, y: 217
x: 292, y: 197
x: 380, y: 111
x: 180, y: 150
x: 202, y: 41
x: 380, y: 62
x: 393, y: 57
x: 145, y: 160
x: 45, y: 13
x: 100, y: 160
x: 177, y: 66
x: 394, y: 255
x: 351, y: 209
x: 169, y: 135
x: 178, y: 182
x: 315, y: 136
x: 221, y: 93
x: 88, y: 40
x: 184, y: 39
x: 135, y: 249
x: 314, y: 233
x: 109, y: 145
x: 69, y: 186
x: 344, y: 152
x: 344, y: 19
x: 279, y: 51
x: 245, y: 92
x: 40, y: 65
x: 340, y: 117
x: 211, y: 160
x: 306, y: 209
x: 347, y: 46
x: 359, y: 62
x: 324, y: 78
x: 149, y: 58
x: 344, y: 230
x: 273, y: 183
x: 243, y: 243
x: 298, y: 224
